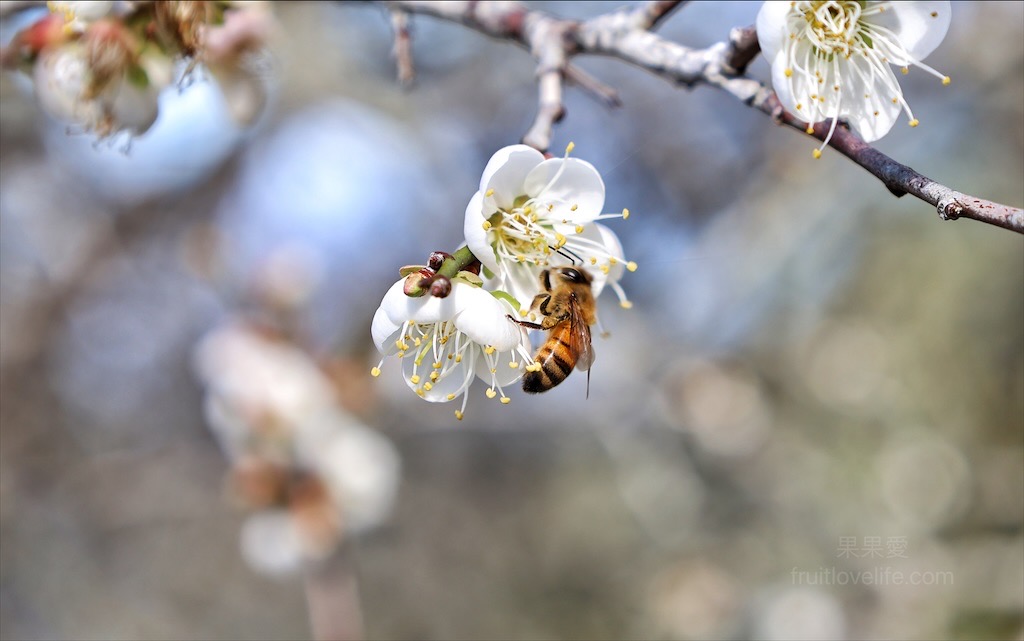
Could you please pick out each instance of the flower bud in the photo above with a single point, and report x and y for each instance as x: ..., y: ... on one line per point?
x: 441, y: 286
x: 436, y: 258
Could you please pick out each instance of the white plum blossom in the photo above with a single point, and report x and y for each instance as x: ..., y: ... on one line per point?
x: 445, y: 343
x: 530, y: 213
x: 834, y: 59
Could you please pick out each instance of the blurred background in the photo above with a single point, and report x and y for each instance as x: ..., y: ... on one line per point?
x: 819, y: 389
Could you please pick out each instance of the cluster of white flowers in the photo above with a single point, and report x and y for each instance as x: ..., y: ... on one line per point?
x: 528, y: 214
x: 834, y: 59
x: 306, y: 469
x: 101, y: 66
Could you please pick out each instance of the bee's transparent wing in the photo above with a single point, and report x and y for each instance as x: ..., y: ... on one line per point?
x: 579, y: 336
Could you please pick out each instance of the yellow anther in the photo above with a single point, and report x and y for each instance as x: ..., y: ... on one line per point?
x: 420, y: 393
x: 458, y: 359
x: 533, y: 367
x: 486, y: 225
x: 494, y: 371
x: 434, y: 376
x: 574, y: 208
x: 415, y: 379
x: 579, y: 229
x: 458, y: 414
x: 437, y: 365
x: 489, y: 193
x: 789, y: 73
x: 375, y: 371
x: 505, y: 400
x: 799, y: 106
x: 625, y: 213
x: 612, y: 260
x: 631, y: 266
x: 489, y: 350
x: 513, y: 364
x: 593, y: 260
x: 417, y: 342
x: 528, y: 210
x: 915, y: 122
x: 490, y: 393
x: 905, y: 70
x: 401, y: 353
x: 569, y: 148
x: 520, y: 258
x: 523, y: 312
x: 626, y: 304
x: 450, y: 397
x: 810, y: 129
x: 816, y: 153
x: 559, y: 240
x: 605, y: 269
x: 946, y: 80
x: 428, y: 386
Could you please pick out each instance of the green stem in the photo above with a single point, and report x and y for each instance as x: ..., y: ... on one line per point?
x: 459, y: 260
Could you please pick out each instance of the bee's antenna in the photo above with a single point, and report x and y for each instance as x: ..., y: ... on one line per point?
x: 568, y: 254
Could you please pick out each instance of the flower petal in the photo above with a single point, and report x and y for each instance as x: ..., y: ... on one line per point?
x: 421, y: 309
x: 476, y: 235
x: 362, y: 469
x: 502, y: 375
x: 917, y: 29
x: 455, y: 378
x: 483, y: 319
x: 271, y: 543
x: 577, y: 184
x: 870, y: 110
x: 614, y: 248
x: 505, y: 173
x: 385, y: 332
x: 771, y: 27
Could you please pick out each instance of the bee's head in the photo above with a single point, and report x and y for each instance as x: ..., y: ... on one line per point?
x: 574, y: 275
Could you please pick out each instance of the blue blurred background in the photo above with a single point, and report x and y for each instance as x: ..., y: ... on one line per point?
x: 812, y: 368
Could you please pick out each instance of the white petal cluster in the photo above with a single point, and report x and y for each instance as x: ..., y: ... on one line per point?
x: 834, y: 59
x: 530, y: 213
x: 446, y: 343
x: 272, y: 408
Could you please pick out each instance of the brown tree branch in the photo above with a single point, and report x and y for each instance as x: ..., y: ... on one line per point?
x: 626, y: 35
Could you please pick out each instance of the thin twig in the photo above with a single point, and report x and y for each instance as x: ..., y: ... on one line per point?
x: 403, y: 47
x: 605, y: 94
x: 332, y: 597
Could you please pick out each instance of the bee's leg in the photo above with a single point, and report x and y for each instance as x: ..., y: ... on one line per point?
x: 524, y: 323
x: 541, y: 302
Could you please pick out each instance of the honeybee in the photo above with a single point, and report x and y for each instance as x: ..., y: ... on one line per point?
x: 569, y: 310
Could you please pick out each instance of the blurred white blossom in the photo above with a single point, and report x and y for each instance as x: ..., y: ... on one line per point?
x: 310, y: 470
x: 833, y: 60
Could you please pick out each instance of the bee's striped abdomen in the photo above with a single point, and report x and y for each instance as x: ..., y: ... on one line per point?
x: 556, y: 359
